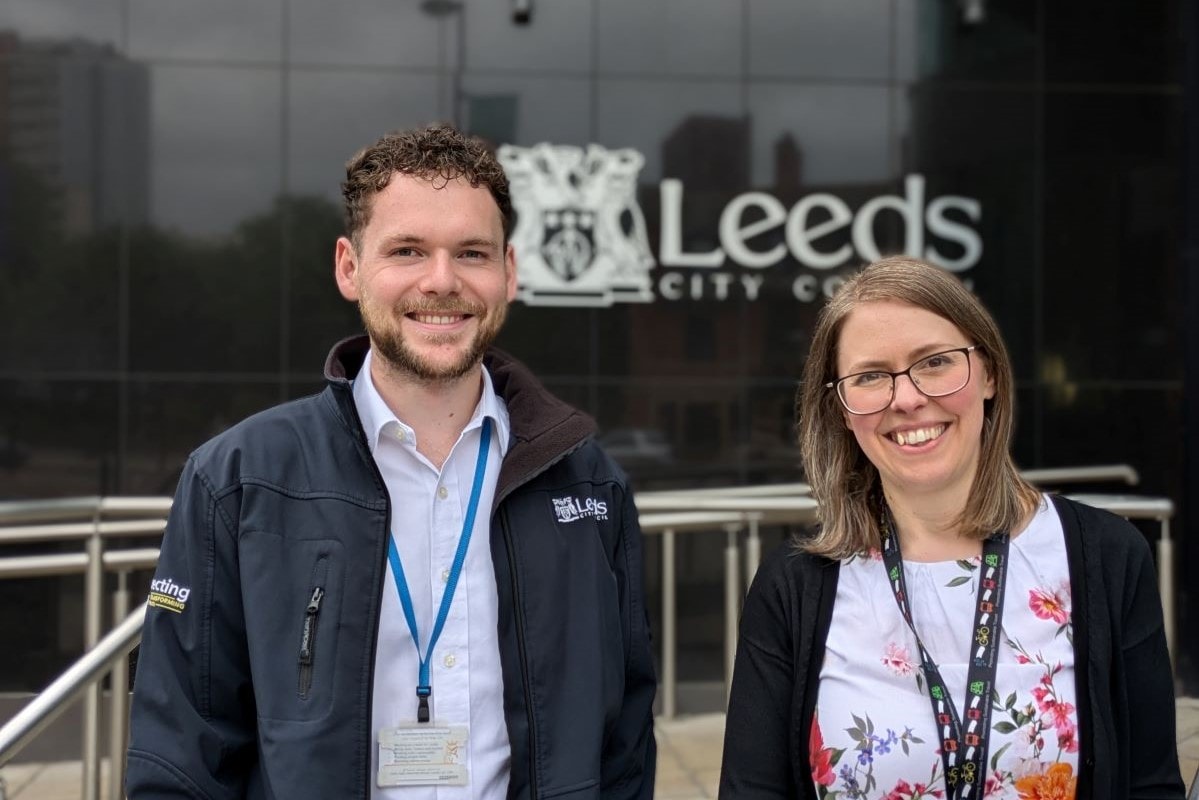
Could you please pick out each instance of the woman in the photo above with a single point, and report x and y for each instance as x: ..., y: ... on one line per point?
x: 949, y: 631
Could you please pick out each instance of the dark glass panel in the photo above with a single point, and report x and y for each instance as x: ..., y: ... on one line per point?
x: 216, y: 147
x: 982, y: 145
x: 58, y: 439
x: 1113, y: 285
x: 366, y: 105
x: 1028, y: 435
x: 694, y: 131
x: 43, y: 616
x: 844, y: 134
x: 550, y: 341
x: 675, y: 37
x: 207, y: 306
x: 1089, y: 423
x: 673, y: 433
x: 170, y: 420
x: 525, y: 110
x: 374, y: 32
x: 768, y: 451
x: 207, y: 276
x: 73, y: 140
x: 822, y: 39
x: 215, y: 30
x: 1126, y: 43
x: 997, y: 44
x: 320, y: 316
x: 557, y: 39
x: 59, y: 300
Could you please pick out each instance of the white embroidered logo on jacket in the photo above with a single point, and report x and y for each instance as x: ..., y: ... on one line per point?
x: 572, y: 509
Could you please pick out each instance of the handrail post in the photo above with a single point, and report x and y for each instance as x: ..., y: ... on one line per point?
x: 118, y: 722
x: 93, y: 588
x: 753, y: 550
x: 732, y: 603
x: 669, y: 629
x: 1165, y: 581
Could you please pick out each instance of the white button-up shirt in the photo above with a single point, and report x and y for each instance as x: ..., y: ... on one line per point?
x: 428, y: 508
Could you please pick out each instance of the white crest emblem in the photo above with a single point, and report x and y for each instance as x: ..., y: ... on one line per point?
x: 580, y: 236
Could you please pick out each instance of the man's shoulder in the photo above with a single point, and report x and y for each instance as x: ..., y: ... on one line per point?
x: 269, y: 436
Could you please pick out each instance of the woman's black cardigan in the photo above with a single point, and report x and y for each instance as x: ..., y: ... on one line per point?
x: 1127, y: 745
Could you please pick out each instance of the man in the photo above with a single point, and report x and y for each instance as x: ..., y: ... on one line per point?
x: 424, y: 582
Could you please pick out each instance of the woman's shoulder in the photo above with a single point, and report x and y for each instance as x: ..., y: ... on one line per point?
x: 789, y: 568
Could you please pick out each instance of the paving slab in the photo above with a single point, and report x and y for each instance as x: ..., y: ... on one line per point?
x: 689, y: 751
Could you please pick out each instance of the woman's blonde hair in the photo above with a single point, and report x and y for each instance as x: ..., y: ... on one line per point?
x: 844, y: 482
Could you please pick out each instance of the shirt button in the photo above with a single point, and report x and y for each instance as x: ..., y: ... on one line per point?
x: 443, y: 492
x: 445, y: 576
x: 401, y: 434
x: 449, y: 660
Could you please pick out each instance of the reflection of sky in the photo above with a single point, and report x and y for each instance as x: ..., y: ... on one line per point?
x: 215, y: 146
x: 94, y: 20
x: 226, y: 140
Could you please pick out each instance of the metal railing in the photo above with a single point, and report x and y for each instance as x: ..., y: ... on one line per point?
x: 730, y: 510
x: 90, y: 520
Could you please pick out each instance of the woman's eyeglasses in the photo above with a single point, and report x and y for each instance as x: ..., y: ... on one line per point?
x: 937, y: 375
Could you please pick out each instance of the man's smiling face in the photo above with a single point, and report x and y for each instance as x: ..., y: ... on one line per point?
x: 432, y: 275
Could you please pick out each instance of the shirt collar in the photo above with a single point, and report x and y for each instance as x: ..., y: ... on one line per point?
x: 377, y: 416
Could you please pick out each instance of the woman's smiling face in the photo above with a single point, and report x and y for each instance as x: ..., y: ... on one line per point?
x: 920, y: 445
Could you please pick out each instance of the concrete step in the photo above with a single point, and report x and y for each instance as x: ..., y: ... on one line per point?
x: 689, y: 751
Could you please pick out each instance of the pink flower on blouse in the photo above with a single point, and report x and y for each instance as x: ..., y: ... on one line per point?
x: 1059, y: 715
x: 1044, y: 698
x: 1067, y: 737
x: 1050, y: 605
x: 905, y: 791
x: 896, y: 659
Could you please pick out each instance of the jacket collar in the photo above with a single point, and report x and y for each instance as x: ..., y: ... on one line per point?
x: 544, y: 429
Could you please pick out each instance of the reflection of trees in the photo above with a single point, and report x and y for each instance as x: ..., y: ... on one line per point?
x: 210, y: 308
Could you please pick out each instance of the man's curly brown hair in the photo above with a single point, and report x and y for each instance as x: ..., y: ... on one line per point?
x: 438, y: 153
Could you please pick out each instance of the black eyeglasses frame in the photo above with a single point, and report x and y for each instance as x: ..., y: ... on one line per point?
x: 835, y: 384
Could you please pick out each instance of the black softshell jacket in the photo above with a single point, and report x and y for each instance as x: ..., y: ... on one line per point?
x: 240, y: 694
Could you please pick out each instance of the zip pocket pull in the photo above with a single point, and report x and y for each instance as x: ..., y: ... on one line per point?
x: 308, y: 634
x: 314, y: 605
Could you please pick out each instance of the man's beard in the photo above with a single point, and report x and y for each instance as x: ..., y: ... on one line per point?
x: 388, y: 341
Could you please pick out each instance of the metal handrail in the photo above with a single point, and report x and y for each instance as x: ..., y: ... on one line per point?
x: 84, y: 518
x: 666, y: 514
x: 18, y: 511
x: 1054, y: 476
x: 66, y: 688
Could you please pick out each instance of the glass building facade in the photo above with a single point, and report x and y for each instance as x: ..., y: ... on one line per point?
x: 708, y: 171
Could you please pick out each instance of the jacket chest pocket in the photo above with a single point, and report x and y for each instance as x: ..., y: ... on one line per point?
x: 291, y: 591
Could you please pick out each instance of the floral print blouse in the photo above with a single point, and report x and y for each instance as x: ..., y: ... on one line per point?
x: 873, y: 735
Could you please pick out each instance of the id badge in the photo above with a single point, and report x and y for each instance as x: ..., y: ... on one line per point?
x: 422, y: 754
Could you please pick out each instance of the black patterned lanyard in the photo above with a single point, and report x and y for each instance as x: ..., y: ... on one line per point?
x: 963, y: 752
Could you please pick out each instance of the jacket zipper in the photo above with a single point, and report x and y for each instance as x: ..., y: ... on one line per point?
x: 308, y: 629
x: 521, y: 649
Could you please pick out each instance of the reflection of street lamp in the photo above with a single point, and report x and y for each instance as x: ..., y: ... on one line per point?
x: 440, y: 9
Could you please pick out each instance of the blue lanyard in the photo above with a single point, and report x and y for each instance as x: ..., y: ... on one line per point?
x: 423, y: 688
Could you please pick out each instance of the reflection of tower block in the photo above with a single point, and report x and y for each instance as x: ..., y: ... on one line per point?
x: 580, y: 237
